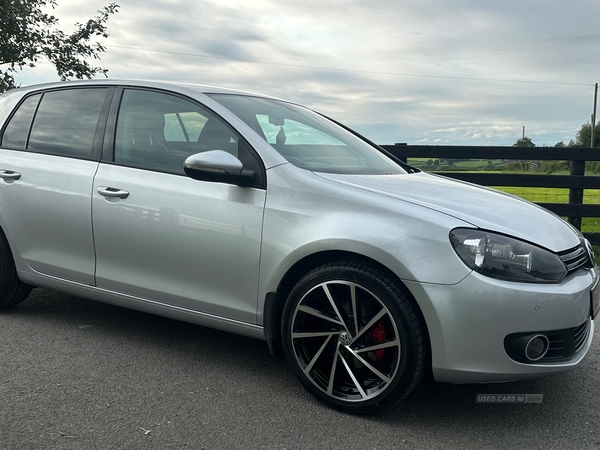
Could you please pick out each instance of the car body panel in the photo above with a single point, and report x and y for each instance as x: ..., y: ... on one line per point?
x: 53, y: 193
x: 482, y: 207
x: 144, y: 305
x: 184, y: 242
x: 468, y: 322
x: 8, y: 101
x: 313, y: 214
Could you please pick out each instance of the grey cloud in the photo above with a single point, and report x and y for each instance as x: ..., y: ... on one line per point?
x: 246, y: 35
x: 226, y: 49
x: 550, y: 40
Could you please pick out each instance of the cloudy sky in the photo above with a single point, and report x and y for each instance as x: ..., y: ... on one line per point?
x: 455, y: 72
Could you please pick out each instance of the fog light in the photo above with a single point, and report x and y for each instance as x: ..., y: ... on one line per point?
x: 536, y: 347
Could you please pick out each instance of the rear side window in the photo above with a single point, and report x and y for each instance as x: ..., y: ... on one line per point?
x: 66, y: 121
x: 15, y: 134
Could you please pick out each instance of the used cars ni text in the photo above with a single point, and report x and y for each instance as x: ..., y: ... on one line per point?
x: 261, y: 217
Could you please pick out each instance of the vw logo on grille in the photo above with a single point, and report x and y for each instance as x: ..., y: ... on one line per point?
x: 345, y: 338
x: 590, y: 250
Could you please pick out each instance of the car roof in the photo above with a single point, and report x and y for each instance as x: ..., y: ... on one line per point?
x: 169, y: 85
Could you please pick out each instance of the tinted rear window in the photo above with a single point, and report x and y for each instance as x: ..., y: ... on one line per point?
x: 15, y: 134
x: 66, y: 121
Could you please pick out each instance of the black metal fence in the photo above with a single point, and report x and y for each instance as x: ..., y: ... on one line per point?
x: 576, y: 182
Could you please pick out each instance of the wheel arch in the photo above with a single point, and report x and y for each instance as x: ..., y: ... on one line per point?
x: 275, y: 301
x: 6, y: 232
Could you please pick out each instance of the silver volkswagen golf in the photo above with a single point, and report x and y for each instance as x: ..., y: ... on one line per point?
x: 261, y: 217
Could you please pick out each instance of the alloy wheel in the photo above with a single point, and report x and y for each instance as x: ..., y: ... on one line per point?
x: 345, y: 340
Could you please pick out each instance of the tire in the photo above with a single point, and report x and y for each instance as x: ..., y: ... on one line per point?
x: 352, y: 337
x: 12, y: 290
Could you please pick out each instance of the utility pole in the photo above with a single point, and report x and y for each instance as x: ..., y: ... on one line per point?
x: 523, y: 131
x: 594, y: 117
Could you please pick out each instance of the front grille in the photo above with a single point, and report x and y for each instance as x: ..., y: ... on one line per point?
x: 575, y: 258
x: 580, y: 334
x: 563, y: 344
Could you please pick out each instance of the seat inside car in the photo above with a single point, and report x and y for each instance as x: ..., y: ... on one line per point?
x: 216, y: 136
x: 144, y: 143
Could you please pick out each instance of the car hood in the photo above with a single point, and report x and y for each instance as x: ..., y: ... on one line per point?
x: 481, y: 207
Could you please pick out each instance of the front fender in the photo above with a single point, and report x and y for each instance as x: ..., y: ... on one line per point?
x: 409, y: 240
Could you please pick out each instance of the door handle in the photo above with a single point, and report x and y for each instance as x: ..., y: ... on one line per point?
x: 112, y: 192
x: 9, y: 175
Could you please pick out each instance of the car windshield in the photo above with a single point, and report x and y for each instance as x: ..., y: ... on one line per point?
x: 307, y: 139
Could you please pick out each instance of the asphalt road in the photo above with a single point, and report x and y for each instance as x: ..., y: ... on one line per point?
x: 75, y: 374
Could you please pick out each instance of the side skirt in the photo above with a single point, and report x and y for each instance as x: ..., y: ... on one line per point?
x: 144, y: 305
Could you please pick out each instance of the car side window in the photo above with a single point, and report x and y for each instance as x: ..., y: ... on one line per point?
x: 17, y: 130
x: 159, y: 131
x: 65, y: 122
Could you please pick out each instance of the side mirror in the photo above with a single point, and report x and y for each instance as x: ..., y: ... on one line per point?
x: 217, y: 165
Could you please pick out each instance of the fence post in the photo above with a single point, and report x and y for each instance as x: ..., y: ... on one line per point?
x: 576, y: 194
x: 404, y: 159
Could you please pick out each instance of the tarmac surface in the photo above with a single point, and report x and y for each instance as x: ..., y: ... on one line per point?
x: 76, y: 374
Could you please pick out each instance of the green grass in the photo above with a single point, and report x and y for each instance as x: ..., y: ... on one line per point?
x: 472, y: 164
x: 538, y: 195
x: 558, y: 195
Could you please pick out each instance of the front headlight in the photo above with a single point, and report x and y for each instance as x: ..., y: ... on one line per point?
x: 506, y: 258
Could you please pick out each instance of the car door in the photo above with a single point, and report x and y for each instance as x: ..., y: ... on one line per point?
x: 162, y: 236
x: 48, y: 157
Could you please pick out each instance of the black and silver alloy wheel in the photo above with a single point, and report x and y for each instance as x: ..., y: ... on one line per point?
x: 352, y: 337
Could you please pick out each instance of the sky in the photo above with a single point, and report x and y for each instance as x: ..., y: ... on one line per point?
x: 436, y: 72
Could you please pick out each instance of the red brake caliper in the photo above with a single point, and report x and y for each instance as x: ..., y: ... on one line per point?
x: 377, y: 336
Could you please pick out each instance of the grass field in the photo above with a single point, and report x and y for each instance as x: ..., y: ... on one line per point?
x: 558, y: 195
x: 472, y: 164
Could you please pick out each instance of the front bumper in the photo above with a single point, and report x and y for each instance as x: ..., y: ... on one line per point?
x: 469, y: 321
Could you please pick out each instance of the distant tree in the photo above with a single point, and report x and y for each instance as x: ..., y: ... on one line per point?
x: 28, y: 33
x: 524, y: 142
x: 583, y: 137
x: 560, y: 144
x: 429, y: 162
